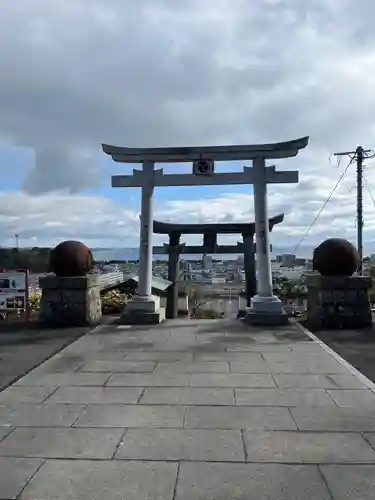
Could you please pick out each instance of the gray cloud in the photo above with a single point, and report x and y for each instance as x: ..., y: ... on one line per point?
x: 196, y: 72
x: 58, y: 169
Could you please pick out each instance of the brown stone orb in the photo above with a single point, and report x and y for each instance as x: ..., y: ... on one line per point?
x: 71, y: 259
x: 336, y: 257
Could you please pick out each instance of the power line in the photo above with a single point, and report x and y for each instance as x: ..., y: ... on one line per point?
x: 369, y: 190
x: 323, y: 207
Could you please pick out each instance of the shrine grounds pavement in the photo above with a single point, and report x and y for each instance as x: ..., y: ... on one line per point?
x: 190, y: 410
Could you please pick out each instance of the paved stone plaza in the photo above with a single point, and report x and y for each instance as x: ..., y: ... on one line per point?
x: 189, y: 410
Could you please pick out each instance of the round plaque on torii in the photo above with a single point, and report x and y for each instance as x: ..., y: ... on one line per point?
x: 203, y: 167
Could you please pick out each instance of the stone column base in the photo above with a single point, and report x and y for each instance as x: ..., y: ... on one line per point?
x: 267, y: 311
x: 69, y: 302
x: 143, y: 311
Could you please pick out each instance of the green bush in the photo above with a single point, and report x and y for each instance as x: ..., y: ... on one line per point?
x: 34, y: 300
x: 113, y: 301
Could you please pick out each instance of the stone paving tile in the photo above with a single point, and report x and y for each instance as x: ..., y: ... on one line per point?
x: 148, y: 380
x: 64, y: 379
x: 264, y: 348
x: 247, y: 357
x: 249, y: 367
x: 309, y: 366
x: 336, y: 419
x: 160, y: 356
x: 231, y: 380
x: 307, y: 381
x: 286, y: 367
x: 306, y: 348
x: 187, y: 396
x: 205, y: 481
x: 61, y: 363
x: 97, y: 395
x: 15, y: 473
x: 370, y: 437
x: 61, y: 443
x: 184, y: 444
x: 283, y: 397
x: 102, y: 480
x: 349, y: 482
x: 5, y: 431
x: 119, y: 366
x: 307, y: 447
x: 356, y: 398
x: 36, y: 415
x: 132, y: 416
x: 105, y: 356
x: 24, y: 394
x: 238, y: 417
x: 290, y: 357
x: 208, y: 367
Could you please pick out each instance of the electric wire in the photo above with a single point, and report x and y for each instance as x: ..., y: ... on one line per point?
x: 369, y: 190
x: 307, y: 232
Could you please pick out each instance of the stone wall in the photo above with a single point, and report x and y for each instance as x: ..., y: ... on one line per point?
x: 338, y: 302
x: 70, y: 301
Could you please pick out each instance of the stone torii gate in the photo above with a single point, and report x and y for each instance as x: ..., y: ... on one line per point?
x: 209, y: 231
x: 265, y: 307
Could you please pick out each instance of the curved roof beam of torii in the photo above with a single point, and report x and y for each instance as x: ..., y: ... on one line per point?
x: 217, y: 228
x: 220, y: 153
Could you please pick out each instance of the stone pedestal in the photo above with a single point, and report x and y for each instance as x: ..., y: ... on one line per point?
x: 183, y: 304
x: 338, y: 302
x: 71, y: 301
x: 267, y: 311
x: 143, y: 311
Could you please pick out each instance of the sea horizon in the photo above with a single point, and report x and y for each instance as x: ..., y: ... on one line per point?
x: 108, y: 254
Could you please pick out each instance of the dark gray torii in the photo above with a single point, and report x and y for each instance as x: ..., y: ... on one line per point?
x: 209, y: 231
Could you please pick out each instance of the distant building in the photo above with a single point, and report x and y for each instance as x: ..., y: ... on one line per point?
x: 372, y: 259
x: 286, y: 259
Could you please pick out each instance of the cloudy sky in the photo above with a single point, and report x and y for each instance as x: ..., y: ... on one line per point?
x: 76, y: 73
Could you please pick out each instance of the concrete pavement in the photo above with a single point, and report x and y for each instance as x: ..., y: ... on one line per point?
x: 189, y: 410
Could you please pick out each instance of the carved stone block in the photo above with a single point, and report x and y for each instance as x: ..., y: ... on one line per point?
x: 68, y: 302
x: 338, y: 302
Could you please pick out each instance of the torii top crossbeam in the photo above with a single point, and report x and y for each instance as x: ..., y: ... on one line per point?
x: 218, y: 228
x: 220, y: 153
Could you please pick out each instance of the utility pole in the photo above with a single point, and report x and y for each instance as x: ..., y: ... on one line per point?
x: 17, y: 238
x: 359, y: 155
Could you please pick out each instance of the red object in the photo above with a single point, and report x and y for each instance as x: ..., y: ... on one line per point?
x: 336, y: 257
x: 70, y: 259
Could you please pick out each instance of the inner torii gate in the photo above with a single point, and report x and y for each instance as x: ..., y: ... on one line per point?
x: 265, y: 307
x: 209, y: 231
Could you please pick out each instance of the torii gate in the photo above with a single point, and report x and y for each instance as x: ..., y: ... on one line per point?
x: 209, y: 231
x: 265, y: 307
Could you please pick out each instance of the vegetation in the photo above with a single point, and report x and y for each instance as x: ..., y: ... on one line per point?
x: 113, y: 301
x: 35, y: 259
x: 34, y: 300
x: 207, y: 314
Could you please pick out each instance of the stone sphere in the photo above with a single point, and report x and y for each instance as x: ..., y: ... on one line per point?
x: 336, y: 257
x: 70, y: 259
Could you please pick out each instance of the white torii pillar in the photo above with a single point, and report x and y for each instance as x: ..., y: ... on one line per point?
x: 144, y: 308
x: 264, y: 305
